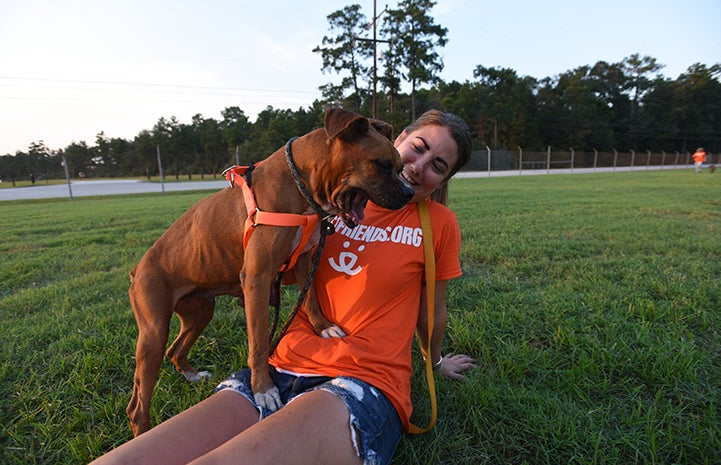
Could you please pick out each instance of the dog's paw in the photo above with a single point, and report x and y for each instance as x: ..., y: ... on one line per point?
x: 197, y: 376
x: 332, y: 331
x: 269, y: 399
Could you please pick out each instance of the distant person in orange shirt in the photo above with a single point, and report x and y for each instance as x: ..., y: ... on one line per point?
x: 347, y: 399
x: 699, y: 157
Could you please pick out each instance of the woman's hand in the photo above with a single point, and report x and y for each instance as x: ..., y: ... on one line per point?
x: 453, y: 365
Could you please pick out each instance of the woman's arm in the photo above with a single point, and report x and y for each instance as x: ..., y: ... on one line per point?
x: 451, y: 365
x: 440, y: 318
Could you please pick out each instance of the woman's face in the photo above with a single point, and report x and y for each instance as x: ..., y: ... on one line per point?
x: 429, y: 154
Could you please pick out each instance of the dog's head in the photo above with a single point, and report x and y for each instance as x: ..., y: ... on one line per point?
x: 365, y: 165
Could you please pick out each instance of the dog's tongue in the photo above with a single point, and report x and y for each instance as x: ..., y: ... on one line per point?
x: 357, y: 209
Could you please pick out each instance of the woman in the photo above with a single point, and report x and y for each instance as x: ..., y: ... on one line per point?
x: 347, y: 399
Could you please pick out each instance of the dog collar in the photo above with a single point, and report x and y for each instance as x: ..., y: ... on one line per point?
x: 299, y: 182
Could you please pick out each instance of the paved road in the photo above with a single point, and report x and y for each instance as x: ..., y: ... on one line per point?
x: 114, y: 187
x: 103, y: 187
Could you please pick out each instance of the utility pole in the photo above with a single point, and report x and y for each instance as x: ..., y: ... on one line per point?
x: 375, y: 42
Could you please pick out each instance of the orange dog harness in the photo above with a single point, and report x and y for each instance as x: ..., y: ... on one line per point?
x: 307, y: 223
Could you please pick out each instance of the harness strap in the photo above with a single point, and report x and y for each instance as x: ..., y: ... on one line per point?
x: 430, y: 266
x: 239, y: 174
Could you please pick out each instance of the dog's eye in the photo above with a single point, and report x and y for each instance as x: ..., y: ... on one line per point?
x: 383, y: 165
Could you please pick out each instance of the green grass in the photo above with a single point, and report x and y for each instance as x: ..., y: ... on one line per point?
x: 592, y: 302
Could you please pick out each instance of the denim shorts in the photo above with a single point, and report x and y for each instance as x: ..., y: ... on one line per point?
x: 374, y: 423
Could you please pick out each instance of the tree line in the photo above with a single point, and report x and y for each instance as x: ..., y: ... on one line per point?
x: 627, y: 105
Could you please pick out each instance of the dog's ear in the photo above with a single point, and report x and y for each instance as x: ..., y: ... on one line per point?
x: 346, y: 123
x: 383, y: 127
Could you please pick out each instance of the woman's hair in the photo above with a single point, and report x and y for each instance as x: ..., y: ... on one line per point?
x: 460, y: 132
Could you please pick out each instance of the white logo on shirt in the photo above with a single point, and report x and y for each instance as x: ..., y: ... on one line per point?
x: 346, y: 261
x: 398, y: 234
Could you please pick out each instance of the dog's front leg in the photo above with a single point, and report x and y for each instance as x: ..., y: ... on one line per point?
x: 256, y: 288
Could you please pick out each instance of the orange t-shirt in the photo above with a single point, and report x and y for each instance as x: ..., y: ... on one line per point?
x: 369, y: 283
x: 699, y: 156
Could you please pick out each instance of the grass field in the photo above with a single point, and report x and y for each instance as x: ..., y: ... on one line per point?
x: 592, y: 302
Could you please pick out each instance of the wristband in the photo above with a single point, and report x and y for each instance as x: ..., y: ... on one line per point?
x: 437, y: 364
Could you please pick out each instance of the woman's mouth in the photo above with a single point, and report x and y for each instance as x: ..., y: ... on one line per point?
x: 408, y: 178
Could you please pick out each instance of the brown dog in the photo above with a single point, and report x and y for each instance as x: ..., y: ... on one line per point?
x: 201, y: 255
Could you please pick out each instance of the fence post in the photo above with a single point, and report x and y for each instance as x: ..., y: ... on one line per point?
x: 67, y: 176
x: 595, y: 159
x: 548, y: 160
x: 615, y: 159
x: 489, y: 160
x: 675, y: 163
x: 520, y: 160
x: 573, y: 156
x: 160, y: 168
x: 633, y: 156
x: 663, y: 159
x: 648, y: 158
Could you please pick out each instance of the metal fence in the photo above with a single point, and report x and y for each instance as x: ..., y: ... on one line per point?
x: 521, y: 160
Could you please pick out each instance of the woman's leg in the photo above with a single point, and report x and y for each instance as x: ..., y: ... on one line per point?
x: 312, y: 429
x: 189, y: 434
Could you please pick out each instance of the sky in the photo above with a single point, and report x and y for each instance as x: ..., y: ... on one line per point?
x: 70, y: 69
